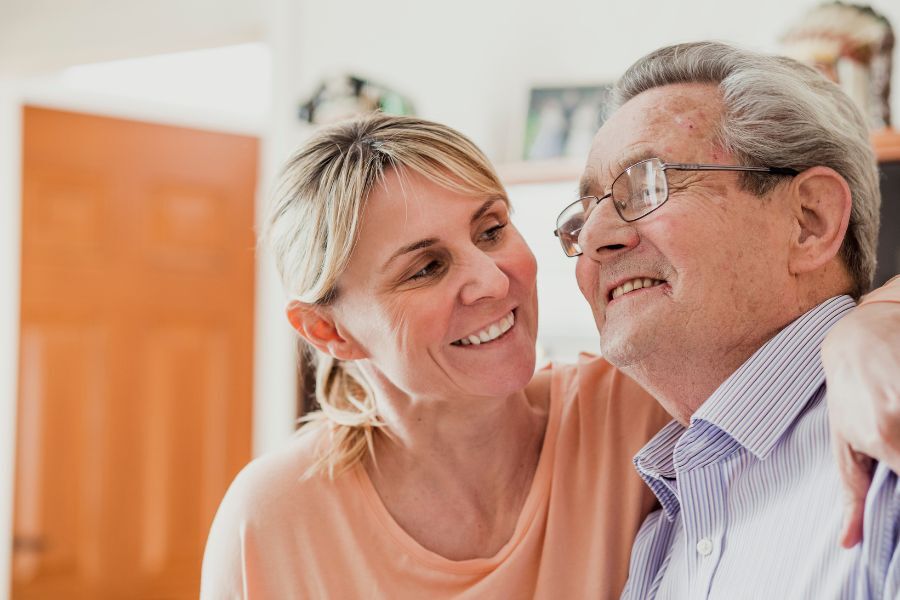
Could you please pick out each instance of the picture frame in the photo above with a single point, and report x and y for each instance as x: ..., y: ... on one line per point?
x: 562, y: 120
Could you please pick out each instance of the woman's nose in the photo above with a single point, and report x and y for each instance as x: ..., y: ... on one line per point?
x: 485, y: 279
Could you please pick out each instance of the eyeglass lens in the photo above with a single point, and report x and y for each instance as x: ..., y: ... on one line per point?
x: 640, y: 189
x: 571, y: 221
x: 637, y: 191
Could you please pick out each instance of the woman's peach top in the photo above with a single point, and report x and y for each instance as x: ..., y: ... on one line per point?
x: 889, y: 292
x: 278, y: 536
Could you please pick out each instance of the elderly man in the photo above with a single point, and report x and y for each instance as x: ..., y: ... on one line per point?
x: 729, y: 219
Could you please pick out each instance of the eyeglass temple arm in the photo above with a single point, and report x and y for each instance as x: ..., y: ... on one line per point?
x: 707, y: 167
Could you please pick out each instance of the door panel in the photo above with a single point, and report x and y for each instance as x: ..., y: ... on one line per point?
x: 135, y: 352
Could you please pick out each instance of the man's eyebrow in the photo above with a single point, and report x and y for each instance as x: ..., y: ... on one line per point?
x: 586, y: 183
x: 589, y: 179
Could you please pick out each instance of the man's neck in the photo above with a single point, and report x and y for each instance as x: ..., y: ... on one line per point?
x: 681, y: 384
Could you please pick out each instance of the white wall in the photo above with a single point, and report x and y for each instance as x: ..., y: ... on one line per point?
x: 565, y: 323
x: 42, y: 35
x: 470, y: 63
x: 275, y: 381
x: 10, y: 151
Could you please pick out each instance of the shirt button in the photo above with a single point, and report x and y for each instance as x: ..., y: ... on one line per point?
x: 705, y: 546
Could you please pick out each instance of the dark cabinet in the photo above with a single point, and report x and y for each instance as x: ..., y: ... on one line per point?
x: 887, y: 148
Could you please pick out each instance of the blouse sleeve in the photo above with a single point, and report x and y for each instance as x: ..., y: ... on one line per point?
x: 889, y: 292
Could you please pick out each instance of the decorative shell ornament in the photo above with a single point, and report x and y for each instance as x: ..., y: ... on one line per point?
x: 853, y: 45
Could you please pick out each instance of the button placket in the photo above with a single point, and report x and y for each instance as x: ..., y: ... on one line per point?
x: 704, y: 519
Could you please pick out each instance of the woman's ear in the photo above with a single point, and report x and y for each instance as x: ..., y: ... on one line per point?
x: 821, y: 207
x: 316, y: 325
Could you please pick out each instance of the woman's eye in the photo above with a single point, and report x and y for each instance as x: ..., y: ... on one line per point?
x: 494, y: 233
x: 427, y: 271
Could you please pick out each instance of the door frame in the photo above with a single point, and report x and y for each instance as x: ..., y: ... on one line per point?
x: 274, y: 372
x: 10, y: 264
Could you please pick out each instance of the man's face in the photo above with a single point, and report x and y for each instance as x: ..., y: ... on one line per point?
x: 720, y: 252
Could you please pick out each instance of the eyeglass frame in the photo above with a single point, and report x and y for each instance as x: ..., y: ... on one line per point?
x: 664, y: 166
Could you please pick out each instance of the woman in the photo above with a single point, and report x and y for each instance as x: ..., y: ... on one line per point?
x: 440, y: 465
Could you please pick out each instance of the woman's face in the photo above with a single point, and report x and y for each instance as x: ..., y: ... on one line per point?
x: 434, y: 271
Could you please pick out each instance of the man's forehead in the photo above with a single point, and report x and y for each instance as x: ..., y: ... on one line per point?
x: 599, y: 170
x: 674, y: 123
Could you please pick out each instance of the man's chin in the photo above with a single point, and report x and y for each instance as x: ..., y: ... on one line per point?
x: 618, y: 347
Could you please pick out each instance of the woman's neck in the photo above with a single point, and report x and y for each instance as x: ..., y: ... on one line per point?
x: 455, y: 472
x: 455, y: 434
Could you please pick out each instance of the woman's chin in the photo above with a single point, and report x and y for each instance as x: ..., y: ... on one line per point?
x: 499, y: 378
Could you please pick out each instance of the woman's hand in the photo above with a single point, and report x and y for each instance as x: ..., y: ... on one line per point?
x: 861, y: 356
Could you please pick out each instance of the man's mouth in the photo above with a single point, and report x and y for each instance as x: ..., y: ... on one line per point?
x: 637, y: 283
x: 489, y: 333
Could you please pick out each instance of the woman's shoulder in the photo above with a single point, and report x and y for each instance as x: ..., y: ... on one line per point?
x: 269, y: 505
x: 272, y: 482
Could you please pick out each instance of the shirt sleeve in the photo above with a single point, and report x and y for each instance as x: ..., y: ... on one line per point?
x: 881, y: 537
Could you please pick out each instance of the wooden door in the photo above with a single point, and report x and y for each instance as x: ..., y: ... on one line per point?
x: 136, y: 352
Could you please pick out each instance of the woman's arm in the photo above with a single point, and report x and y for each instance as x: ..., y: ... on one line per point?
x: 861, y: 356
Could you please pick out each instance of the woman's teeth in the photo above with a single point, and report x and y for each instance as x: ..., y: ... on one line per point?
x: 635, y: 284
x: 489, y: 333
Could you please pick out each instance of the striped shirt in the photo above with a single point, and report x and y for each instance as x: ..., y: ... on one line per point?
x: 751, y: 496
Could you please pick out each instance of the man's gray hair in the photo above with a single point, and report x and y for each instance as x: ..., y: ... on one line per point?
x: 781, y: 113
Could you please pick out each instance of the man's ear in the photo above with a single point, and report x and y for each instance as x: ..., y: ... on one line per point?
x: 821, y: 207
x: 317, y: 326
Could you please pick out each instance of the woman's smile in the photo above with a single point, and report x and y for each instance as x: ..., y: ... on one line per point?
x: 489, y: 333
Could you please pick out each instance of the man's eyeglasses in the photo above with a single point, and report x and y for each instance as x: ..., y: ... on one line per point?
x: 636, y: 192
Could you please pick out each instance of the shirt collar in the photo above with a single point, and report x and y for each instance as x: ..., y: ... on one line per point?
x: 755, y: 406
x: 760, y: 401
x: 655, y: 463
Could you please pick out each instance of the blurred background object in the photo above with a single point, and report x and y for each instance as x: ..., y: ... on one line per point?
x: 853, y: 45
x: 144, y: 351
x: 346, y: 96
x: 562, y: 121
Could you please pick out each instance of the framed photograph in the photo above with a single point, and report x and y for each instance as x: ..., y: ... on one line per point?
x: 562, y: 121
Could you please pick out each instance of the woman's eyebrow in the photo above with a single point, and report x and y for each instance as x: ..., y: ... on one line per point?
x: 483, y: 209
x: 427, y: 242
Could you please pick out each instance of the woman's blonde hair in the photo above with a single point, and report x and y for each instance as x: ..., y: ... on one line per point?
x: 312, y: 228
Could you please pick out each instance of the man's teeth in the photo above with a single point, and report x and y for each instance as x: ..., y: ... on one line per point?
x: 489, y: 333
x: 635, y: 284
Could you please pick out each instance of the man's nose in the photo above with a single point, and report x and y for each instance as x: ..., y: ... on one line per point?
x: 484, y: 279
x: 605, y: 234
